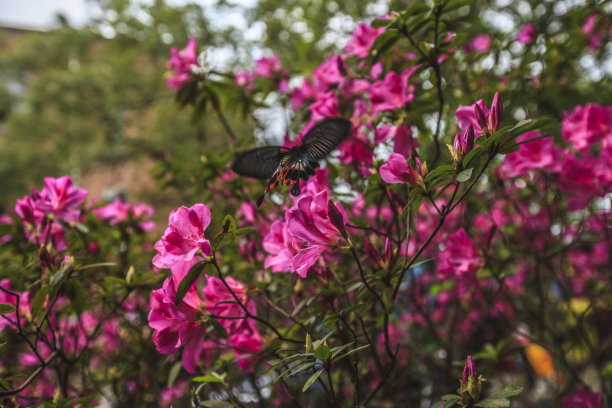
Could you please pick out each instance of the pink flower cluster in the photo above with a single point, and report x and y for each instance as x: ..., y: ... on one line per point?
x: 583, y: 169
x: 583, y: 399
x: 311, y: 228
x: 184, y: 325
x: 180, y: 64
x: 58, y: 199
x: 333, y: 90
x: 119, y: 211
x: 265, y: 67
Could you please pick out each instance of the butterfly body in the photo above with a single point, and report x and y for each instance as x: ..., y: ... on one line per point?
x: 282, y: 165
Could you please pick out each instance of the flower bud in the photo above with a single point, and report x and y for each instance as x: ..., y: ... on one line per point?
x: 481, y: 119
x: 471, y: 385
x: 496, y: 112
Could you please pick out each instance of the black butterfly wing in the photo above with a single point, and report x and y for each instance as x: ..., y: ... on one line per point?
x: 259, y: 163
x: 324, y: 137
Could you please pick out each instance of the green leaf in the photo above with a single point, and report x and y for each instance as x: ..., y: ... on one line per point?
x: 465, y: 175
x: 207, y: 379
x: 59, y: 275
x: 509, y: 391
x: 188, y: 281
x: 353, y: 351
x: 311, y: 380
x: 39, y: 300
x: 493, y: 403
x: 509, y: 147
x: 219, y: 329
x: 173, y: 374
x: 473, y: 154
x: 447, y: 400
x: 445, y: 169
x: 229, y: 224
x: 6, y: 308
x: 322, y: 353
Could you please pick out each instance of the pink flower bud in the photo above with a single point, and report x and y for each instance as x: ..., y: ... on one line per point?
x: 496, y: 112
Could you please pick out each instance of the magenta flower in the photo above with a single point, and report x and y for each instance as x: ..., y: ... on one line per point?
x: 330, y: 72
x: 534, y: 155
x: 480, y: 43
x: 460, y: 258
x: 326, y: 106
x: 464, y: 141
x: 396, y: 170
x: 180, y: 63
x: 527, y: 34
x: 177, y: 326
x: 589, y: 29
x: 393, y: 92
x: 215, y: 293
x: 245, y: 344
x: 578, y: 179
x: 480, y: 117
x: 244, y: 78
x: 583, y: 399
x: 60, y: 198
x: 267, y: 67
x: 588, y: 125
x: 118, y: 211
x: 184, y: 237
x: 310, y: 222
x: 36, y: 225
x: 469, y: 370
x: 280, y: 246
x: 363, y: 38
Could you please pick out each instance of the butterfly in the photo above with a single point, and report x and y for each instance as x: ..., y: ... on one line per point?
x: 283, y: 165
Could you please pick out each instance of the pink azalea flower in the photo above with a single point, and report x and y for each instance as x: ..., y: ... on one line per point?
x: 330, y: 72
x: 173, y: 394
x: 36, y: 225
x: 480, y: 117
x: 245, y: 344
x: 326, y: 106
x: 579, y: 181
x: 460, y: 258
x: 177, y: 326
x: 180, y: 63
x: 310, y: 222
x: 534, y: 155
x: 527, y: 34
x: 357, y: 149
x: 403, y: 142
x: 393, y: 92
x: 301, y: 94
x: 583, y: 399
x: 244, y: 78
x: 59, y: 197
x: 184, y: 236
x: 480, y: 43
x: 396, y: 170
x: 363, y: 38
x: 215, y: 293
x: 115, y: 212
x: 464, y: 141
x: 589, y: 29
x: 280, y: 246
x: 588, y: 125
x: 119, y: 211
x: 267, y: 67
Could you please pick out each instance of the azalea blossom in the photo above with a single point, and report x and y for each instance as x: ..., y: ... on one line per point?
x: 460, y: 258
x: 396, y: 170
x: 61, y: 198
x: 180, y: 63
x: 177, y: 326
x: 533, y: 155
x: 393, y: 92
x: 363, y: 39
x: 480, y: 116
x: 184, y: 236
x: 267, y: 67
x: 527, y: 34
x: 119, y: 211
x: 588, y: 125
x: 310, y: 222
